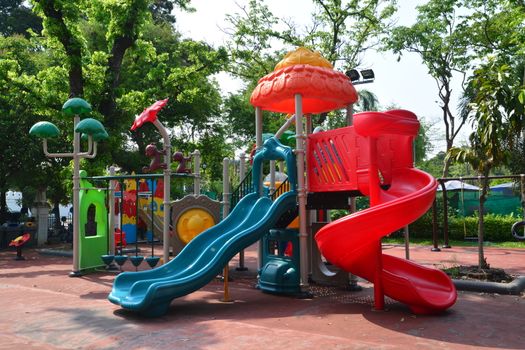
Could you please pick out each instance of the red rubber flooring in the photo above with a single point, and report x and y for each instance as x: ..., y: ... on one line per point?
x: 42, y: 308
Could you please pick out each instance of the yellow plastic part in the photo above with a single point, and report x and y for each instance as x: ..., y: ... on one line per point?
x: 303, y: 55
x: 294, y: 224
x: 192, y: 222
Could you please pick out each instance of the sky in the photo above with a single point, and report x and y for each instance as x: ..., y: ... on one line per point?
x: 405, y: 83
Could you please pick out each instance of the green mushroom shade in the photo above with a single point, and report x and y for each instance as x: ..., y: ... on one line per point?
x: 76, y: 106
x: 100, y: 136
x: 44, y: 130
x: 90, y: 126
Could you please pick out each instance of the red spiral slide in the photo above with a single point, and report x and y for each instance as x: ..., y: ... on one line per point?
x: 353, y: 242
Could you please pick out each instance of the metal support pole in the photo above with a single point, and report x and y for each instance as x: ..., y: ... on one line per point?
x: 167, y: 194
x: 445, y: 216
x: 225, y: 211
x: 407, y: 242
x: 258, y: 189
x: 350, y: 122
x: 196, y: 172
x: 285, y: 127
x: 242, y: 166
x: 349, y: 114
x: 258, y: 140
x: 434, y: 227
x: 301, y: 191
x: 76, y: 200
x: 111, y: 205
x: 272, y: 176
x: 242, y: 174
x: 225, y: 188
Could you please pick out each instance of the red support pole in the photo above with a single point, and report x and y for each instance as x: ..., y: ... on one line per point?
x: 374, y: 187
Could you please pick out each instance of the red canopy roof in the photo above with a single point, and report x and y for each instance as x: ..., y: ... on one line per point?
x: 322, y: 89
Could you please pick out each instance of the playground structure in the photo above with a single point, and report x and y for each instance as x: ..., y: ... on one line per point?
x: 95, y: 132
x: 136, y: 203
x: 94, y: 208
x: 372, y: 156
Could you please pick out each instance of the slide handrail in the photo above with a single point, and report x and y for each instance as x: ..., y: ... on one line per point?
x: 272, y: 149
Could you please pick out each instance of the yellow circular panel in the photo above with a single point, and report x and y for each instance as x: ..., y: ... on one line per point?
x: 192, y: 222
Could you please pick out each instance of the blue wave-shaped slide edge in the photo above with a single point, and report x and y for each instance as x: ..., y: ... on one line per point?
x: 150, y: 292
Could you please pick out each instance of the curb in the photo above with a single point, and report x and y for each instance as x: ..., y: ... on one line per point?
x: 55, y: 252
x: 513, y: 288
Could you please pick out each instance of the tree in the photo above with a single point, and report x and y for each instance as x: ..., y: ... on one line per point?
x: 344, y: 30
x: 162, y: 10
x: 17, y: 18
x: 78, y: 40
x: 439, y: 38
x: 367, y: 101
x: 497, y: 114
x: 341, y: 30
x: 120, y: 60
x: 495, y: 98
x: 20, y: 107
x: 422, y: 144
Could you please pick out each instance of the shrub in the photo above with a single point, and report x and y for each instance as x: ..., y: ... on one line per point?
x: 497, y: 227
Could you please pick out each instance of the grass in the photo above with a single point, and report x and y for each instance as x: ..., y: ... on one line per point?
x: 455, y: 243
x: 453, y: 272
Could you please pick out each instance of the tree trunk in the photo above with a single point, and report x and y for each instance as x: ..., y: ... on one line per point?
x: 108, y: 105
x: 446, y: 167
x: 120, y: 45
x: 72, y: 46
x: 482, y: 263
x: 56, y: 212
x: 3, y: 206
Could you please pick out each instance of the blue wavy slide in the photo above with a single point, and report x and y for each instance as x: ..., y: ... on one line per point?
x: 151, y: 292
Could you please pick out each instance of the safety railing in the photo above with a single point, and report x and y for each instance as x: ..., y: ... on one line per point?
x: 244, y: 188
x: 283, y: 187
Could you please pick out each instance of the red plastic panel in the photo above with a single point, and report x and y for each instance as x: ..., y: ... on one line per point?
x: 338, y: 160
x: 333, y: 158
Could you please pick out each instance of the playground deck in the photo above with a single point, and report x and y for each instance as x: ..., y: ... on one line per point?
x: 42, y: 308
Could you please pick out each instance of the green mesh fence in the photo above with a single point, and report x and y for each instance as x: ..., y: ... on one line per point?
x: 466, y: 203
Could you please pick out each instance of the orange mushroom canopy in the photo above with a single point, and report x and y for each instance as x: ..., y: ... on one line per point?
x: 306, y: 73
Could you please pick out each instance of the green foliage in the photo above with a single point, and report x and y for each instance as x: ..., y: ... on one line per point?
x: 367, y: 101
x: 253, y: 37
x: 161, y: 10
x: 240, y: 117
x: 341, y: 30
x: 344, y: 30
x: 25, y: 99
x: 113, y: 55
x: 494, y: 95
x: 422, y: 144
x: 16, y: 18
x: 439, y: 37
x: 497, y: 227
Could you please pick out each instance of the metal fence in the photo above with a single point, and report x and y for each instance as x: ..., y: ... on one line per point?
x: 60, y: 229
